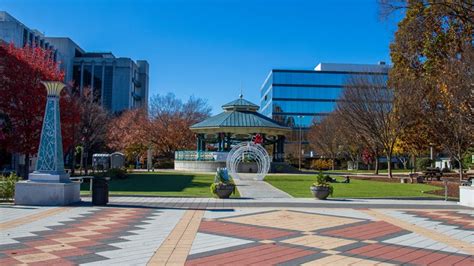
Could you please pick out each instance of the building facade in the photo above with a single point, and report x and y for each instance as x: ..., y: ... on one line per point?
x: 299, y: 98
x: 118, y: 83
x: 13, y: 31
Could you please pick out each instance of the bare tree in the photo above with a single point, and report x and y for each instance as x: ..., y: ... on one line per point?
x: 170, y: 119
x: 367, y: 107
x: 453, y: 117
x: 325, y: 138
x: 93, y: 125
x: 352, y: 144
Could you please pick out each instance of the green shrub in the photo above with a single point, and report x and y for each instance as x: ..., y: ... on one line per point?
x: 321, y: 181
x: 468, y: 162
x: 321, y: 164
x: 7, y: 186
x: 117, y: 173
x: 221, y: 179
x: 423, y: 163
x: 164, y: 164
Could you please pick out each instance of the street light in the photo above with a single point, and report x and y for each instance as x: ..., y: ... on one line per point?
x: 432, y: 153
x: 300, y: 142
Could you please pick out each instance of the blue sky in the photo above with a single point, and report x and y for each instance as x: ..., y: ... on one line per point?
x: 209, y: 48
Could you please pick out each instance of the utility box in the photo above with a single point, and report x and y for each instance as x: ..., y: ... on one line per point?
x: 117, y: 160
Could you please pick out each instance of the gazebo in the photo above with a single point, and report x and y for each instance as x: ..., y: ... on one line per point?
x: 238, y: 122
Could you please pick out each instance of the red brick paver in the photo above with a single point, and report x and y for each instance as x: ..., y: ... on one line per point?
x: 370, y: 230
x: 264, y: 254
x: 243, y: 231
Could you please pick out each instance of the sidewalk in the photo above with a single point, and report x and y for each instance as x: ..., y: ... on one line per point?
x: 142, y: 231
x: 213, y: 203
x: 258, y: 189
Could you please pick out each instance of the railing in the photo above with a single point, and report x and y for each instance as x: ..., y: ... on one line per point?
x: 200, y: 156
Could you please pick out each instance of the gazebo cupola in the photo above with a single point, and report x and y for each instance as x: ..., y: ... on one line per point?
x: 240, y: 105
x: 240, y: 121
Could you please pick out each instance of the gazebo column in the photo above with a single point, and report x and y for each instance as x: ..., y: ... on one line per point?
x: 281, y: 148
x: 203, y: 143
x: 198, y: 146
x: 221, y: 141
x: 198, y: 142
x: 274, y: 153
x: 227, y: 142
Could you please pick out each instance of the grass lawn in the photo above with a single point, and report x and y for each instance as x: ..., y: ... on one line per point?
x: 165, y: 184
x: 298, y: 186
x: 382, y: 171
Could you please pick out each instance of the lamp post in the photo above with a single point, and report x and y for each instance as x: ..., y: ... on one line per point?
x: 300, y: 151
x: 432, y: 153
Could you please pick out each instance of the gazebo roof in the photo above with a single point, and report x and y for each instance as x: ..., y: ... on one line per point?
x: 240, y: 116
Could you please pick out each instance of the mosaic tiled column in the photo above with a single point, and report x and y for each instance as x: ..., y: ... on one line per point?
x: 49, y: 184
x: 50, y: 152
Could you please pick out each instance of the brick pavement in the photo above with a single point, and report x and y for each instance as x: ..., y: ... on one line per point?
x: 218, y: 234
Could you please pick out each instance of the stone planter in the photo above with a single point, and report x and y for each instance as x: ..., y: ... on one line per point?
x: 223, y: 191
x: 320, y: 192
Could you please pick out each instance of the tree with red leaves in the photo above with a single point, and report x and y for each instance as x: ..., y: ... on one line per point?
x: 128, y: 133
x: 23, y: 98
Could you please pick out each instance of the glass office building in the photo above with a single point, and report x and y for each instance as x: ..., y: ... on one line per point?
x: 299, y: 98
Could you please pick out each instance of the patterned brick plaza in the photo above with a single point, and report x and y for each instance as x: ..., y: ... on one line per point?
x: 214, y: 233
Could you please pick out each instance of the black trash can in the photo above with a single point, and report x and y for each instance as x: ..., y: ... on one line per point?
x: 100, y: 190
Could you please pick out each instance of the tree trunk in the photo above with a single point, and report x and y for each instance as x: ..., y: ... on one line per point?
x: 81, y: 164
x: 389, y: 165
x: 86, y: 170
x: 414, y: 164
x: 72, y: 164
x: 376, y: 163
x: 333, y: 164
x: 460, y: 169
x: 26, y: 169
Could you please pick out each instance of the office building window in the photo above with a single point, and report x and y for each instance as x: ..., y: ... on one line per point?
x: 76, y: 76
x: 108, y: 81
x: 97, y: 83
x: 25, y: 37
x: 87, y: 76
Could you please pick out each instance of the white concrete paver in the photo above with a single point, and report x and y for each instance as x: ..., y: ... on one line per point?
x: 259, y: 189
x: 9, y: 213
x: 7, y: 236
x: 448, y: 230
x: 206, y: 242
x: 142, y: 246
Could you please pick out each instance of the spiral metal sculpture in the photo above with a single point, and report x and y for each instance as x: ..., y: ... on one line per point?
x: 251, y: 152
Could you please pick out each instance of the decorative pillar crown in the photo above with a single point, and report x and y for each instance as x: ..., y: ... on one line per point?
x: 53, y: 88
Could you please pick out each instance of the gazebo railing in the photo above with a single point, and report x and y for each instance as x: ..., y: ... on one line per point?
x: 200, y: 156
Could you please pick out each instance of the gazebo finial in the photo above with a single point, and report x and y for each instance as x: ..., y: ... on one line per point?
x: 241, y: 90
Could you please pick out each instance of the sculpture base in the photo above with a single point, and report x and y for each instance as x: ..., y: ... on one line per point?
x: 46, y: 177
x: 46, y: 193
x: 466, y: 196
